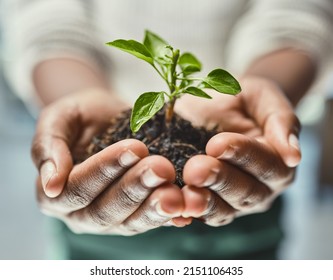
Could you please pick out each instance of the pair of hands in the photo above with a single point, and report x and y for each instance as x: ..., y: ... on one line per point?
x: 122, y: 190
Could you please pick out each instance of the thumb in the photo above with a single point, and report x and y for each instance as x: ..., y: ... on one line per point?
x: 282, y: 130
x: 50, y: 150
x: 270, y: 108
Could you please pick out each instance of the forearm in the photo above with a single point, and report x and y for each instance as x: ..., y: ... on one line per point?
x: 293, y: 70
x: 58, y: 77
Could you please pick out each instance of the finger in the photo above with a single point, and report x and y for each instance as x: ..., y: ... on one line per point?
x: 218, y: 212
x: 196, y: 201
x: 91, y: 177
x: 180, y: 221
x: 203, y: 204
x: 252, y: 156
x: 273, y: 112
x: 50, y: 148
x: 282, y: 130
x: 126, y: 195
x: 165, y: 203
x: 237, y: 188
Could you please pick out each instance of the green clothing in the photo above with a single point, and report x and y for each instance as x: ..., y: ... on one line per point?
x: 254, y: 236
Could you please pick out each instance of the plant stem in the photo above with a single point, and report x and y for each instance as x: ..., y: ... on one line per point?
x: 169, y: 111
x: 173, y: 80
x: 189, y: 79
x: 173, y: 71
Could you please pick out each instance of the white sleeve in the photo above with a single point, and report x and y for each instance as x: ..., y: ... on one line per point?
x: 37, y: 30
x: 269, y: 25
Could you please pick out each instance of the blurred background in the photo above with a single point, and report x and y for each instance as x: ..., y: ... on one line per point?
x: 307, y: 218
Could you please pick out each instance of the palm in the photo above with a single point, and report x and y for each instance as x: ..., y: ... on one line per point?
x: 224, y: 111
x: 253, y: 158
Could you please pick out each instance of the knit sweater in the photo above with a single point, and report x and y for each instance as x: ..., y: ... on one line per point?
x: 227, y: 34
x: 222, y: 34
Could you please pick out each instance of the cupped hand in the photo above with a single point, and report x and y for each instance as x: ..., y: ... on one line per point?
x: 120, y: 190
x: 64, y: 130
x: 250, y: 162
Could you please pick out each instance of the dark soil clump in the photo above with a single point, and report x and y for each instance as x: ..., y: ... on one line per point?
x: 178, y: 142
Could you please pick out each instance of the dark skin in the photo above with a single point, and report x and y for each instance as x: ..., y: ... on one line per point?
x: 243, y: 163
x: 259, y: 124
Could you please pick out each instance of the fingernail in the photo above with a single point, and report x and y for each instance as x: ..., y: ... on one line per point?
x: 292, y: 162
x: 293, y: 141
x: 293, y: 159
x: 228, y: 153
x: 181, y: 221
x: 128, y: 158
x: 212, y: 177
x: 150, y: 179
x: 161, y: 212
x: 47, y: 171
x: 186, y: 215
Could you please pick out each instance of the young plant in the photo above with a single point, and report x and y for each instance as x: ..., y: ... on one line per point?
x: 177, y: 71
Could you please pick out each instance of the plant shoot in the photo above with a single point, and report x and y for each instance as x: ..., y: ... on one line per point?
x: 177, y: 70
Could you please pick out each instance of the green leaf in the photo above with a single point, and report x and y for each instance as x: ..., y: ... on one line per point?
x: 157, y: 46
x: 204, y: 85
x: 133, y: 47
x: 145, y: 107
x: 189, y: 63
x: 222, y: 81
x: 197, y: 92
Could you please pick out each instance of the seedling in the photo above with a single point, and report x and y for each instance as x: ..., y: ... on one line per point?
x: 177, y: 71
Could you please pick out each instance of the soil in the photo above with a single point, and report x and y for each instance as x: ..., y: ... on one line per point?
x: 178, y: 142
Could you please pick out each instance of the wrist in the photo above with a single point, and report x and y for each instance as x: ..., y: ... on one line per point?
x: 293, y: 71
x: 109, y: 104
x: 59, y: 77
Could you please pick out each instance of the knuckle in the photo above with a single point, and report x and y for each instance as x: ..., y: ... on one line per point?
x: 277, y: 172
x: 254, y: 196
x: 246, y: 204
x: 215, y: 216
x: 133, y: 229
x: 100, y: 217
x: 130, y: 197
x: 221, y: 187
x: 77, y: 196
x: 153, y: 220
x: 147, y: 219
x: 273, y: 170
x: 226, y: 221
x: 108, y: 173
x: 220, y: 222
x: 268, y: 174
